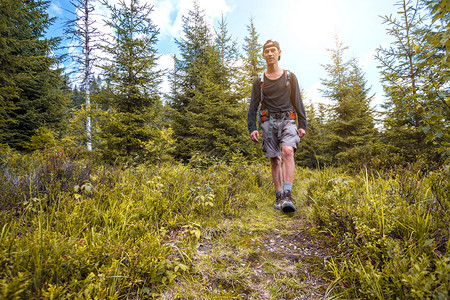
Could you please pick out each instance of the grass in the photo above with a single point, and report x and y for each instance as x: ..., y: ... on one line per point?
x: 74, y: 229
x: 392, y: 231
x: 262, y: 254
x: 114, y: 233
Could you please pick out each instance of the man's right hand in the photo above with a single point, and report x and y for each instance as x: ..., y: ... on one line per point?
x: 255, y: 136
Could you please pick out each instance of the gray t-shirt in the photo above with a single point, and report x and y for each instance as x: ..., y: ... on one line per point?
x: 278, y: 97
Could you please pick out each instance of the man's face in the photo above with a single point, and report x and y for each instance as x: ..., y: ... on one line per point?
x: 271, y: 54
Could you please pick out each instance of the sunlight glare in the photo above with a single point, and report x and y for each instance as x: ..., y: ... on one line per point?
x: 318, y: 21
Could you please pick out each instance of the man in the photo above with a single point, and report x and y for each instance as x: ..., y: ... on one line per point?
x: 276, y: 94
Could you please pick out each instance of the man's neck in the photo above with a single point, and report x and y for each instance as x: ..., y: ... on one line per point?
x: 273, y: 71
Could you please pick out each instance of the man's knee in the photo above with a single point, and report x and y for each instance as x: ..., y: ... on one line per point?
x: 275, y: 161
x: 287, y: 152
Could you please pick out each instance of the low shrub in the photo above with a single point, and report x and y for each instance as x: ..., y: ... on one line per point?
x: 46, y: 175
x: 392, y: 231
x: 73, y: 230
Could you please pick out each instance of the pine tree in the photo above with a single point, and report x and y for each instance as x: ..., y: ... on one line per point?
x: 85, y: 36
x: 351, y: 123
x: 228, y: 56
x: 402, y: 77
x: 436, y: 66
x: 208, y: 117
x: 253, y: 64
x: 32, y: 91
x: 131, y: 94
x: 311, y: 152
x: 79, y: 114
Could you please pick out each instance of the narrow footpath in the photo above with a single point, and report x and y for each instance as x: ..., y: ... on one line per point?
x: 264, y: 255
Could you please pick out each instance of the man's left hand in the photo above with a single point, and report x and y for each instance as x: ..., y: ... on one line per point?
x: 301, y: 132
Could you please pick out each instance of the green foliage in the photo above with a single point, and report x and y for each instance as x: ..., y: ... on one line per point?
x: 6, y: 153
x: 415, y: 75
x: 351, y: 122
x: 391, y: 230
x: 43, y: 138
x: 312, y: 152
x: 77, y: 126
x: 126, y: 138
x: 208, y: 115
x: 31, y: 88
x: 49, y: 174
x: 69, y: 230
x: 372, y: 156
x: 252, y: 59
x: 435, y: 106
x: 128, y: 127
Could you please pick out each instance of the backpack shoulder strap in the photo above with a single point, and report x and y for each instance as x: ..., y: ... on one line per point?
x: 261, y: 78
x: 288, y: 77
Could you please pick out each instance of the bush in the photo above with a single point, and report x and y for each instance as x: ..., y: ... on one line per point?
x: 391, y: 230
x: 100, y: 231
x: 46, y: 175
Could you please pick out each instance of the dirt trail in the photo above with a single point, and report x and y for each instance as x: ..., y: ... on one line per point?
x: 265, y: 255
x: 300, y: 256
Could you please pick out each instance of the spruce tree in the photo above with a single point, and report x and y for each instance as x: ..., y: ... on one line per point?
x: 84, y: 36
x: 402, y: 77
x: 311, y: 153
x: 228, y: 56
x: 351, y: 123
x: 131, y: 94
x: 336, y: 87
x: 436, y: 66
x: 207, y: 117
x: 32, y: 92
x: 231, y: 133
x: 253, y: 63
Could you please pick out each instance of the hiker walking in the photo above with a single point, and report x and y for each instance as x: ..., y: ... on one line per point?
x: 276, y: 99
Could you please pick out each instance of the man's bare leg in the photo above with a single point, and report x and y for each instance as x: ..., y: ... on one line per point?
x: 288, y: 168
x: 277, y: 174
x: 277, y: 178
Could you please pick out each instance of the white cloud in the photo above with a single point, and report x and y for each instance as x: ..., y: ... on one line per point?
x: 55, y: 9
x: 161, y: 15
x: 213, y: 10
x: 318, y: 21
x: 314, y: 95
x: 166, y: 62
x: 369, y: 57
x: 377, y: 101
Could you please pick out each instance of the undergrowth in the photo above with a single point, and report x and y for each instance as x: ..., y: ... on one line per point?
x: 73, y: 229
x: 70, y: 229
x: 391, y: 231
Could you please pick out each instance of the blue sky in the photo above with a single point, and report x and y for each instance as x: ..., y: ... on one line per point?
x: 304, y: 29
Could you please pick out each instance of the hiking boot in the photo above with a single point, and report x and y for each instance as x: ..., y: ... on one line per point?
x: 287, y: 204
x: 278, y: 201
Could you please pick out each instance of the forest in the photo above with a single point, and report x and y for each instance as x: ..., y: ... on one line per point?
x: 110, y: 188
